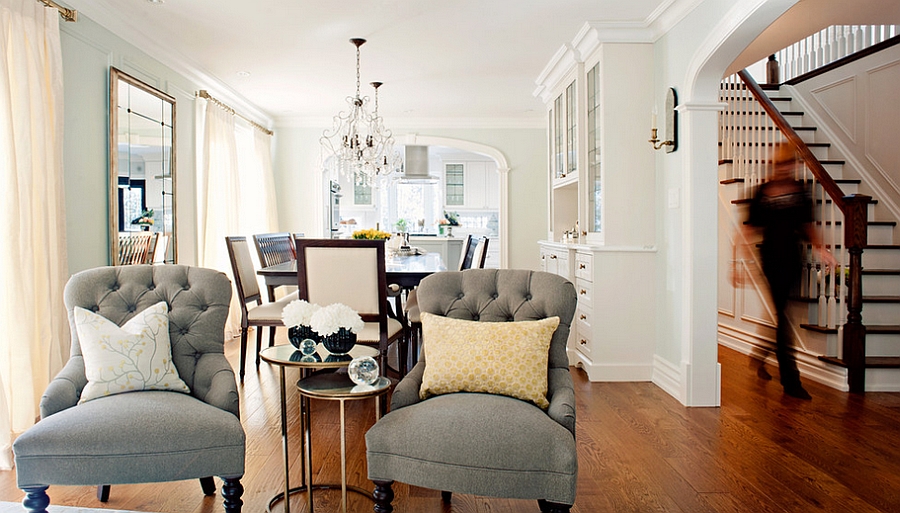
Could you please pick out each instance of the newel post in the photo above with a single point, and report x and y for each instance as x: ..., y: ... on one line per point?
x: 855, y: 238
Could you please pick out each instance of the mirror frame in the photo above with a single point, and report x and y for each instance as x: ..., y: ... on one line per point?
x: 116, y: 76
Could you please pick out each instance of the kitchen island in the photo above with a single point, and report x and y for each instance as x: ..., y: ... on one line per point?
x: 449, y: 248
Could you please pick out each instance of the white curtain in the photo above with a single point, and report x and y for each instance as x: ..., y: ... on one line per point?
x: 236, y: 188
x: 33, y: 262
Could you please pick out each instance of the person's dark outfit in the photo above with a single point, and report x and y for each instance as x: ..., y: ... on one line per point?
x: 783, y: 219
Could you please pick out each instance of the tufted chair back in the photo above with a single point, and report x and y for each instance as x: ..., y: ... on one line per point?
x: 495, y: 295
x: 198, y: 302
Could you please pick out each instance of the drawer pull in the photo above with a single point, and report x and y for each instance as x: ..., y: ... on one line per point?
x: 583, y: 342
x: 581, y: 266
x: 582, y: 292
x: 553, y: 256
x: 583, y: 317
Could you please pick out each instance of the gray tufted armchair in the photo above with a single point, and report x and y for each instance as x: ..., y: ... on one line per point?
x: 479, y: 443
x: 148, y: 436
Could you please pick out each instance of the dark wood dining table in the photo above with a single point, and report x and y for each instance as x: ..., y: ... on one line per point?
x: 405, y: 271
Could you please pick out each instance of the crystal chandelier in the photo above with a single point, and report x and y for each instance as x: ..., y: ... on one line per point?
x: 358, y: 143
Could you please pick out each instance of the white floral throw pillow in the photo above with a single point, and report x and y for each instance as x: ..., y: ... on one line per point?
x: 135, y: 356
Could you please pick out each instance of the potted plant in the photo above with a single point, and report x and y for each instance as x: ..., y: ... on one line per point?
x: 338, y: 325
x: 145, y: 220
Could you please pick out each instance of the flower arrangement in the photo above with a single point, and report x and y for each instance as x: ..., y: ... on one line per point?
x: 330, y: 319
x: 443, y: 221
x: 371, y: 234
x: 298, y: 312
x: 145, y: 219
x: 452, y: 218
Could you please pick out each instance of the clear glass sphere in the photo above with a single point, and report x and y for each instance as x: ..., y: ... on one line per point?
x: 307, y: 346
x: 363, y: 370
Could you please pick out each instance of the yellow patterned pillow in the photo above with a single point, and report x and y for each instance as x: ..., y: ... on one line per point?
x: 505, y: 358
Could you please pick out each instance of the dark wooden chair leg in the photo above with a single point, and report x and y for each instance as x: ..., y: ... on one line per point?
x: 446, y: 496
x: 232, y: 489
x: 553, y: 507
x: 271, y: 336
x: 383, y: 496
x: 243, y: 351
x: 103, y: 493
x: 259, y: 330
x: 208, y: 484
x: 36, y: 499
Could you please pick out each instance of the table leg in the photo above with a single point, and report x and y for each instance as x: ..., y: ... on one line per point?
x: 343, y: 461
x: 307, y: 427
x: 284, y: 442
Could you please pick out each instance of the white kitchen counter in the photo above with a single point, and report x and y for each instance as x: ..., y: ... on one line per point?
x: 449, y: 248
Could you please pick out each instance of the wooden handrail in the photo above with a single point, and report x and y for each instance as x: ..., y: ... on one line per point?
x: 828, y: 183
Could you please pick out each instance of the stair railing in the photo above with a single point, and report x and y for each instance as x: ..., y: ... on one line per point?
x: 750, y: 127
x: 830, y: 44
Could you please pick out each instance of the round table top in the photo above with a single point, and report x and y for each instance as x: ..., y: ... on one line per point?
x: 337, y: 385
x: 289, y: 356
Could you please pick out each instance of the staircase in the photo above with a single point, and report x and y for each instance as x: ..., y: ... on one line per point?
x: 827, y: 308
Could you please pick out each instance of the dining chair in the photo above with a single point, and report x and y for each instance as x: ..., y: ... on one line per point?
x: 274, y: 248
x: 352, y: 272
x: 259, y: 314
x: 473, y: 256
x: 161, y: 251
x: 136, y: 247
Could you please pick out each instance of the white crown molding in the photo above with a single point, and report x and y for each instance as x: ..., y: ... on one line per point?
x: 130, y: 29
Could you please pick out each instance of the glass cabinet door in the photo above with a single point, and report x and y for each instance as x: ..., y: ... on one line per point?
x: 595, y: 182
x: 571, y: 131
x: 559, y: 163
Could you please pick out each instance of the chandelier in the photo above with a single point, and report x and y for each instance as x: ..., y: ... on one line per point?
x: 358, y: 142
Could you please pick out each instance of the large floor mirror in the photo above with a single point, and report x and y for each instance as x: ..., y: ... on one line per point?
x: 141, y: 172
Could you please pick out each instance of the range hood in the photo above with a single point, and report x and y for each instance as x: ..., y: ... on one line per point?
x: 415, y: 168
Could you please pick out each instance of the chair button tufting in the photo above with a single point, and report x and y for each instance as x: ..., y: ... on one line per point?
x: 527, y: 297
x: 131, y: 308
x: 95, y: 308
x: 204, y: 308
x: 151, y: 287
x: 115, y: 287
x: 460, y: 296
x: 183, y: 331
x: 186, y: 287
x: 495, y: 295
x: 475, y: 317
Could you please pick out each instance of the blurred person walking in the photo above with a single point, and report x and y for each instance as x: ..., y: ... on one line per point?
x: 782, y: 211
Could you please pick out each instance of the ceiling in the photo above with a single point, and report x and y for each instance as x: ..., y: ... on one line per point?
x: 454, y: 60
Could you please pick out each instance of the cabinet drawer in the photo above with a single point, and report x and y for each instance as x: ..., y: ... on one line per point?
x: 584, y: 290
x: 584, y: 265
x: 582, y: 337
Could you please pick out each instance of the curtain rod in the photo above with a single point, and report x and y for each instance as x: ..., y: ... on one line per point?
x: 203, y: 94
x: 66, y: 13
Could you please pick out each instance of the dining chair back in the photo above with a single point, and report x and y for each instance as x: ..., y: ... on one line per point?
x: 273, y: 249
x: 161, y: 252
x: 351, y: 272
x: 254, y: 312
x: 136, y: 247
x: 480, y: 253
x: 465, y: 258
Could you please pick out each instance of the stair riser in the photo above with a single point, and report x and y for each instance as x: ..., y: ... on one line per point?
x: 881, y: 235
x: 880, y: 313
x: 881, y: 285
x: 881, y: 258
x: 882, y: 345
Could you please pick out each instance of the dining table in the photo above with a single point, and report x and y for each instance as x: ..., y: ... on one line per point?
x: 403, y: 270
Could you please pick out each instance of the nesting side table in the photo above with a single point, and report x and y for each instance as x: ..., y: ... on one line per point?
x: 284, y: 356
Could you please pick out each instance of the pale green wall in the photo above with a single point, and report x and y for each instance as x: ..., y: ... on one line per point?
x: 300, y: 190
x: 88, y: 52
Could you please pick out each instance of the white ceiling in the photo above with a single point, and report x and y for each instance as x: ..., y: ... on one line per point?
x: 456, y: 60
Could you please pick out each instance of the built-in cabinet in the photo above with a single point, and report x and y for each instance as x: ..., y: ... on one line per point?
x: 601, y: 185
x: 471, y: 185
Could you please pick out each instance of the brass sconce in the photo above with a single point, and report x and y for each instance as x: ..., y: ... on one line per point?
x: 671, y: 125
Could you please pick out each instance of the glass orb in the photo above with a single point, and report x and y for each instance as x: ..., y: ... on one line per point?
x: 307, y: 346
x: 363, y: 370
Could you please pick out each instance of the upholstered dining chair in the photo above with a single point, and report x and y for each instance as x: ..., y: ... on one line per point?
x: 150, y: 435
x: 352, y: 272
x: 473, y: 256
x: 274, y: 248
x: 485, y: 443
x: 254, y: 312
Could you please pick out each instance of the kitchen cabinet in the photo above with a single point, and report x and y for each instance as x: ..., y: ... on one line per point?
x: 473, y: 185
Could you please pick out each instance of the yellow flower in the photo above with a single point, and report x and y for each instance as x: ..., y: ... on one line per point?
x: 371, y: 234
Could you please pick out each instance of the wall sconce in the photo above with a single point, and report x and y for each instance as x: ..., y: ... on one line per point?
x: 671, y: 124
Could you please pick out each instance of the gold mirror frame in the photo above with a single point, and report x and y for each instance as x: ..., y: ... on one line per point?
x: 141, y: 162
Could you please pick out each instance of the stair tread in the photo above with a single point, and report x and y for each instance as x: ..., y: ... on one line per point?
x: 882, y: 246
x: 884, y: 362
x: 881, y: 271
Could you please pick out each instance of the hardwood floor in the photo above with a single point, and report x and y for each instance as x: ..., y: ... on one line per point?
x: 639, y: 451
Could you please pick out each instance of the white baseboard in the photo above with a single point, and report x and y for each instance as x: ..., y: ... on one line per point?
x: 607, y: 372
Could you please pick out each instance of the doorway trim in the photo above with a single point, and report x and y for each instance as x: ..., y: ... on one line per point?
x: 502, y: 169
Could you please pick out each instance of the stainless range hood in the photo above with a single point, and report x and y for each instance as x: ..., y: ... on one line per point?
x: 415, y: 168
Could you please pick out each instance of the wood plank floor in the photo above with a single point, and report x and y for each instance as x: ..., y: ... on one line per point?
x: 639, y: 451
